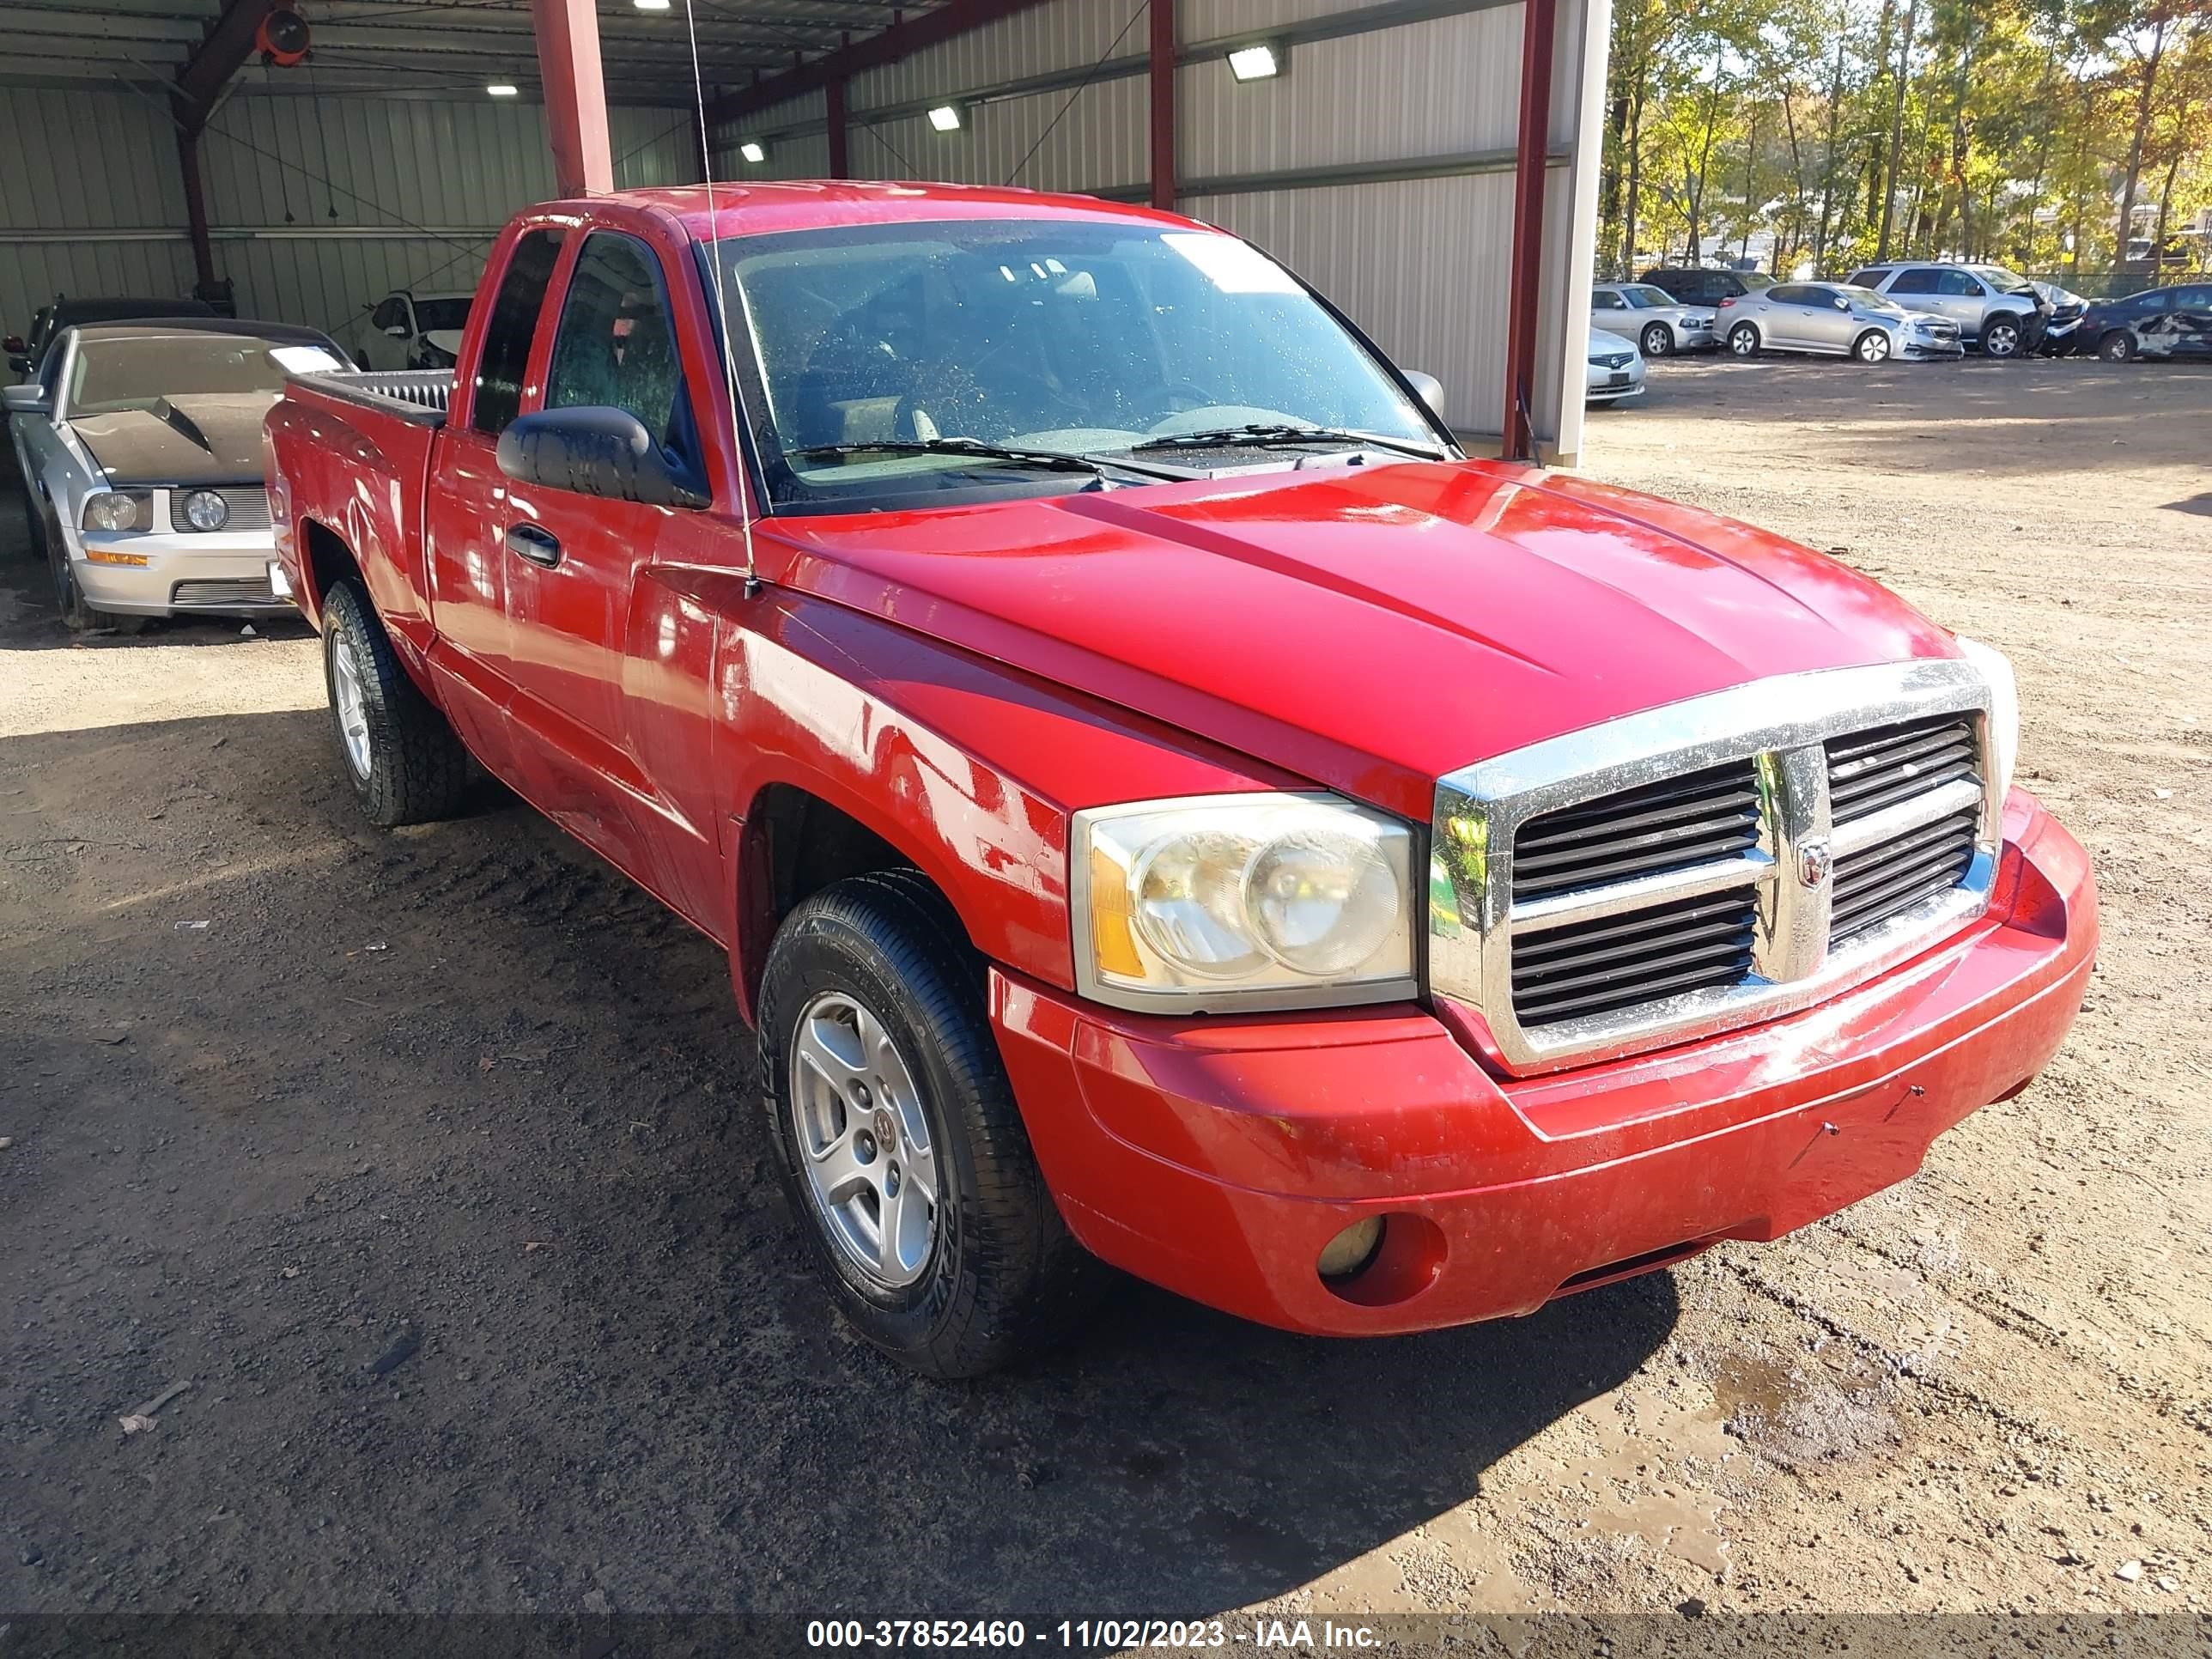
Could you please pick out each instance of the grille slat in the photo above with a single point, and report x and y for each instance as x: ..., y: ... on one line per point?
x: 1611, y: 962
x: 1673, y: 824
x: 248, y: 504
x: 1871, y: 770
x: 215, y: 593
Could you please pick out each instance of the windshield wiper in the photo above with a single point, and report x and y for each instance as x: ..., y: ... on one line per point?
x: 1260, y: 434
x: 1052, y: 460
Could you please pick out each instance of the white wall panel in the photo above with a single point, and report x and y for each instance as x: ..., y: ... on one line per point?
x: 294, y: 186
x: 1068, y: 33
x: 1431, y: 88
x: 1417, y: 264
x: 1102, y: 140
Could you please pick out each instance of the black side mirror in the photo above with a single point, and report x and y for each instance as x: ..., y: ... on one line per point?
x: 595, y: 451
x: 20, y: 364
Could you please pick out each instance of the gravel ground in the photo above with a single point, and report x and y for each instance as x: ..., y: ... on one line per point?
x: 429, y: 1163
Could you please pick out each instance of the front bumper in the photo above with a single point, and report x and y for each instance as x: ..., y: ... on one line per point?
x: 1217, y: 1158
x: 1920, y: 350
x: 185, y: 572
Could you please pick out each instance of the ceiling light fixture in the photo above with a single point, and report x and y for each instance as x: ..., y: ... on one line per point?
x: 947, y: 117
x: 754, y: 151
x: 1259, y: 63
x: 650, y: 5
x: 501, y: 89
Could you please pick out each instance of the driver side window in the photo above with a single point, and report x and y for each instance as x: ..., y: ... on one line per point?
x: 615, y: 346
x: 1958, y: 282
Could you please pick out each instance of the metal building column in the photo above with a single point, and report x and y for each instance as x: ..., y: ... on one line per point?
x: 1162, y: 78
x: 833, y: 97
x: 575, y: 95
x: 1538, y: 26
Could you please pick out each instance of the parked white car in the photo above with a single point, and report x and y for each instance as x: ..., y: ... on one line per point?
x: 407, y: 329
x: 1616, y: 369
x: 141, y: 446
x: 1659, y: 324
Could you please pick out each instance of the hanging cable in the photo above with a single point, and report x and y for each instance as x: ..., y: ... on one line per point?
x: 1112, y: 47
x: 722, y: 306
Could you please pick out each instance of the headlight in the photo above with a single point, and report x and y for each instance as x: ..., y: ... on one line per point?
x: 205, y: 509
x: 1996, y: 668
x: 1241, y: 901
x: 118, y: 509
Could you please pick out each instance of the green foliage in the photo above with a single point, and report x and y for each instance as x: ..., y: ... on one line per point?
x: 2019, y: 131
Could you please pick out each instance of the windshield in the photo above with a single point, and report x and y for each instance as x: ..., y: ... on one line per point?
x: 1083, y: 339
x: 1867, y: 300
x: 133, y: 372
x: 1998, y: 277
x: 1644, y: 298
x: 434, y: 315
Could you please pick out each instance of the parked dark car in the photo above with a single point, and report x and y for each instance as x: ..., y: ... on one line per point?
x: 1706, y: 285
x: 2160, y: 322
x: 24, y: 353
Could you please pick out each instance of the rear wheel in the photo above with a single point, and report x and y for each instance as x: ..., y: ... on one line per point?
x: 406, y: 765
x: 1658, y: 340
x: 2117, y: 347
x: 1871, y: 347
x: 2001, y: 336
x: 1743, y: 340
x: 900, y: 1146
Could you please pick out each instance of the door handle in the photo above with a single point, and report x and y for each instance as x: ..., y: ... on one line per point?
x: 535, y: 543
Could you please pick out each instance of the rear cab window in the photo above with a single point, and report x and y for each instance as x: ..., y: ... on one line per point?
x: 504, y: 359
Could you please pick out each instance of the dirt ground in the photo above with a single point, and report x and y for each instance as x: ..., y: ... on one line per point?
x: 429, y: 1161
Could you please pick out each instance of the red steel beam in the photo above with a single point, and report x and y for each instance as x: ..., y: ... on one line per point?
x: 575, y: 95
x: 841, y: 165
x: 220, y: 56
x: 901, y: 40
x: 1538, y: 26
x: 1162, y: 74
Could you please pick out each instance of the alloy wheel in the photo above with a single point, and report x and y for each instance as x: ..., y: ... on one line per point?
x: 1744, y: 341
x: 2002, y: 341
x: 863, y: 1141
x: 351, y: 706
x: 1874, y: 348
x: 1658, y: 340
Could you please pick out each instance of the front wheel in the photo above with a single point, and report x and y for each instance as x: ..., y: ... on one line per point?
x: 1871, y: 347
x: 79, y: 615
x: 1658, y: 340
x: 405, y: 763
x: 2001, y: 337
x: 2117, y: 346
x: 1743, y: 340
x: 901, y: 1149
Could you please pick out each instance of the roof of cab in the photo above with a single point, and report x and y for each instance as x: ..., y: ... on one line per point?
x: 815, y: 205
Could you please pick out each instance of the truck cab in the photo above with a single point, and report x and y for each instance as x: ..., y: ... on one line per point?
x: 1166, y: 807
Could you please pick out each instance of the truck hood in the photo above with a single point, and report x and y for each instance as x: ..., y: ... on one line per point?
x: 1370, y: 627
x: 185, y: 440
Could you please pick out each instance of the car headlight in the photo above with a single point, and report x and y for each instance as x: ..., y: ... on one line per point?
x: 1221, y: 901
x: 117, y: 509
x: 1996, y: 670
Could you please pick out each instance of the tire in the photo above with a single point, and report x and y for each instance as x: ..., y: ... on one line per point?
x: 1658, y: 340
x: 405, y: 764
x: 1871, y: 347
x: 2003, y: 335
x: 1743, y: 340
x: 990, y: 1274
x: 2118, y: 346
x: 79, y: 615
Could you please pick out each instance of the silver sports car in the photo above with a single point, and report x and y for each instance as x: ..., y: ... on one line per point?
x: 141, y: 446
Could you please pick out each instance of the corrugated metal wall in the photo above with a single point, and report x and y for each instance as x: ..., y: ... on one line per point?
x: 319, y: 205
x: 1421, y: 264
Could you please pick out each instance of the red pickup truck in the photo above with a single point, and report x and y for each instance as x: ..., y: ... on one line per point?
x: 1164, y: 805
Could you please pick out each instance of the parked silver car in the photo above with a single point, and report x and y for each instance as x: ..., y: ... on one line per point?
x: 141, y: 446
x: 1652, y: 317
x: 1615, y: 370
x: 1998, y: 313
x: 1835, y: 320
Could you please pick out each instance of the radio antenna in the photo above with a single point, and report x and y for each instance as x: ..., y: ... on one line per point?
x: 722, y: 306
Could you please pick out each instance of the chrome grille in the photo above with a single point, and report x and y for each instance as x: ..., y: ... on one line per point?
x: 1612, y: 963
x: 214, y: 593
x: 248, y: 504
x: 1673, y: 824
x: 1695, y: 867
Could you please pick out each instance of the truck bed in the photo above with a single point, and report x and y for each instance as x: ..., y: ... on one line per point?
x: 417, y: 396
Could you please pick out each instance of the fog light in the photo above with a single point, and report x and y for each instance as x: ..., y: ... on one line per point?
x: 1351, y: 1250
